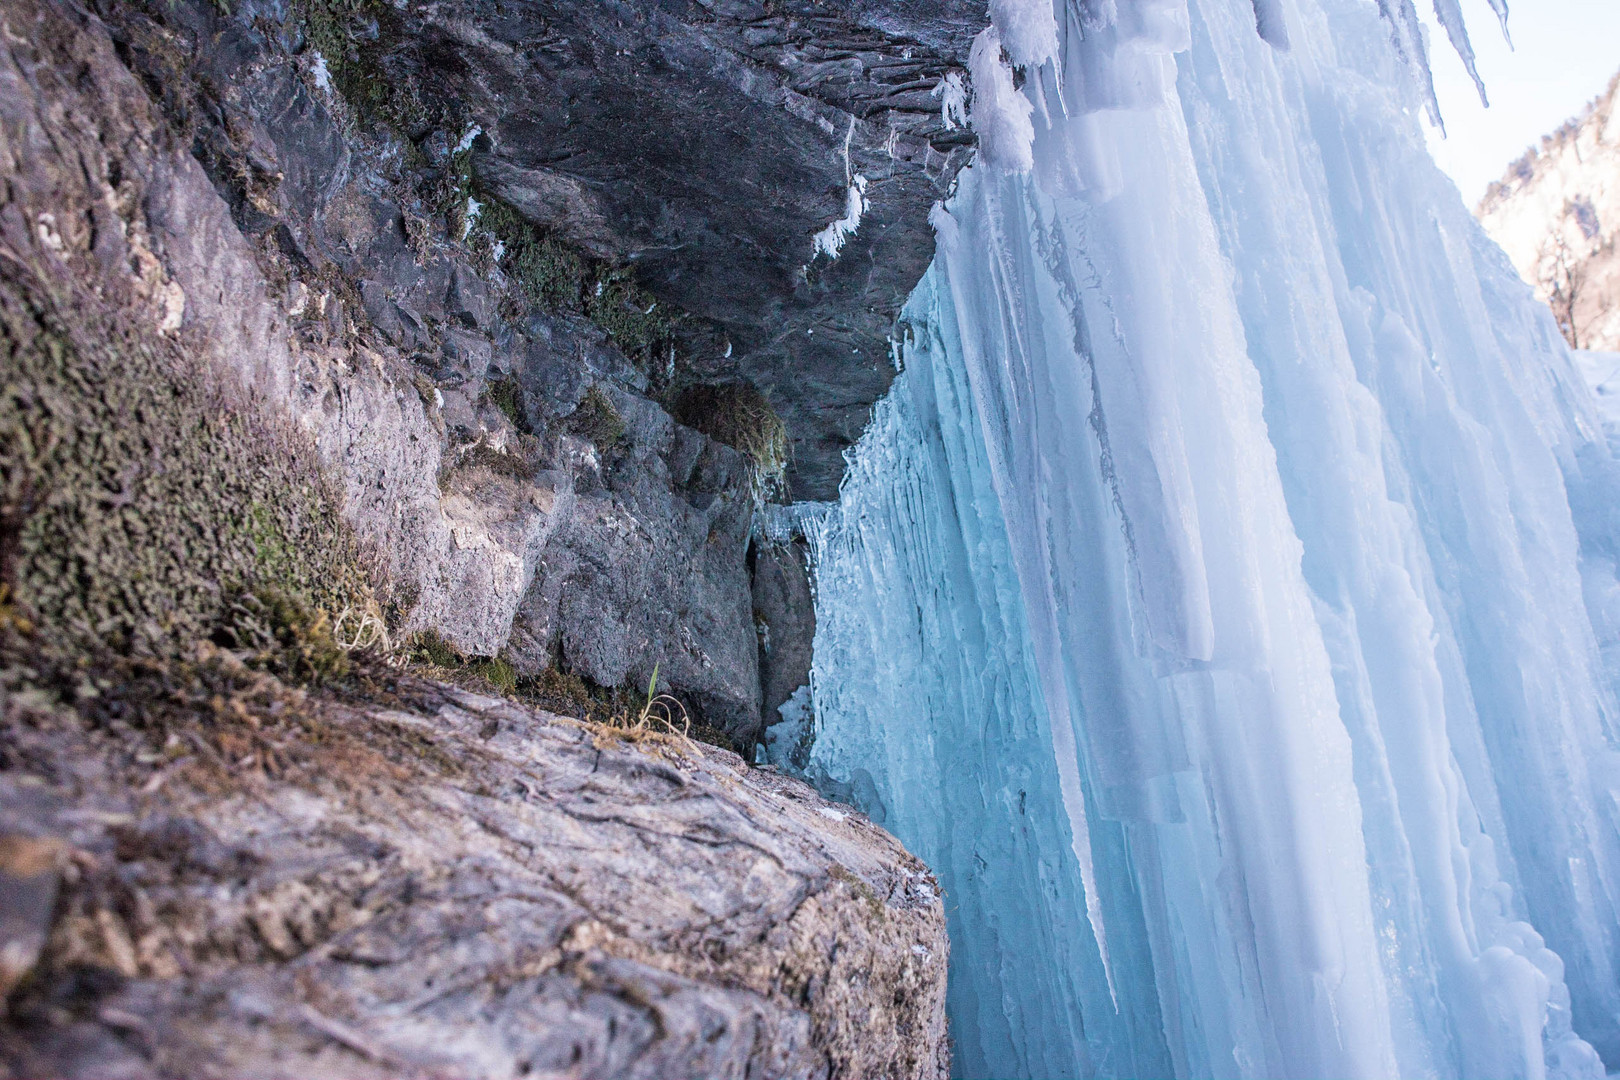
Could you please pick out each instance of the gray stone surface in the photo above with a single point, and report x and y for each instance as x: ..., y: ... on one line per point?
x: 279, y: 250
x: 455, y: 887
x: 785, y: 615
x: 707, y: 142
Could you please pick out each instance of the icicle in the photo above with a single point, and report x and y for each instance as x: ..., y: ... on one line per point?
x: 1220, y: 599
x: 1501, y: 9
x: 1406, y: 34
x: 1451, y: 17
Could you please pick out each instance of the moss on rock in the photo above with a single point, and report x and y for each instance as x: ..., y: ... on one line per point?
x: 551, y: 273
x: 139, y: 503
x: 737, y: 414
x: 596, y: 420
x: 353, y: 38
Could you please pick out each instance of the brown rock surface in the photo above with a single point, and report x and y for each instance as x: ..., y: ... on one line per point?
x: 1556, y: 212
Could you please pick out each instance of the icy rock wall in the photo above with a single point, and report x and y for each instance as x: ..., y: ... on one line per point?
x: 1219, y: 600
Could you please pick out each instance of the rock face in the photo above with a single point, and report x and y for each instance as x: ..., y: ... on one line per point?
x: 447, y: 407
x: 292, y: 397
x: 325, y: 226
x: 785, y: 614
x: 708, y: 141
x: 449, y: 885
x: 1557, y: 215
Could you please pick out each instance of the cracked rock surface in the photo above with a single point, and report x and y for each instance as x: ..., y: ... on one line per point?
x: 453, y: 885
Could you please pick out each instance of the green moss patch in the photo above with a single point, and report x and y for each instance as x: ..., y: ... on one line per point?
x: 595, y: 419
x: 737, y: 414
x: 547, y: 271
x: 353, y: 39
x: 140, y: 504
x: 551, y: 273
x: 506, y: 394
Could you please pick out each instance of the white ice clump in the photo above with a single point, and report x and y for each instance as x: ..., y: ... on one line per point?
x: 952, y: 94
x: 468, y: 138
x: 830, y: 241
x: 1028, y: 30
x: 1000, y: 115
x: 321, y: 74
x: 782, y: 738
x: 1223, y: 601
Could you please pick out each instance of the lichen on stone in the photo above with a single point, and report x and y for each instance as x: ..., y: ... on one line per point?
x: 139, y: 501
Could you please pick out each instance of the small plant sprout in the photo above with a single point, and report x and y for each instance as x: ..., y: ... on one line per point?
x: 659, y: 712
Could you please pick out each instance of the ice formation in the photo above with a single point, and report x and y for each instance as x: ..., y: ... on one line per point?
x: 952, y: 93
x: 830, y: 240
x: 1224, y: 599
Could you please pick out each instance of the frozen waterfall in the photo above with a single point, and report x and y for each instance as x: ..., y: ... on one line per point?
x: 1224, y: 599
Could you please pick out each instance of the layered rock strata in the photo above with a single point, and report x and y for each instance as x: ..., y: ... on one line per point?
x: 448, y: 884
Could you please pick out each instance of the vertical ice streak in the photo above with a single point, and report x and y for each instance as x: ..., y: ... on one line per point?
x: 1219, y: 600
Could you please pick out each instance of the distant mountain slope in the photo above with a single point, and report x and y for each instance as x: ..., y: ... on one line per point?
x: 1557, y: 215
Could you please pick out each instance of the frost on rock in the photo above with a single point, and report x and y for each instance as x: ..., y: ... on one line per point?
x: 830, y: 241
x: 953, y: 101
x: 321, y: 74
x: 1224, y: 601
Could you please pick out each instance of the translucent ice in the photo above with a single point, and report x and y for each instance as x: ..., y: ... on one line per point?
x: 1224, y: 599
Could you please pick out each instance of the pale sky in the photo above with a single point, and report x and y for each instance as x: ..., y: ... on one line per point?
x: 1564, y: 53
